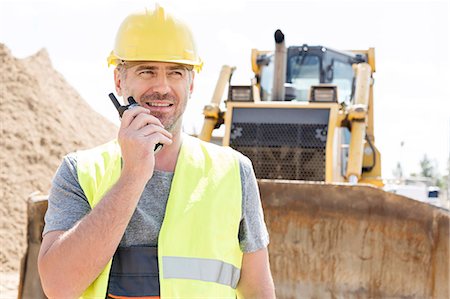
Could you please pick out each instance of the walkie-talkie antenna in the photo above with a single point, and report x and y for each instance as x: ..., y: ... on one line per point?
x: 114, y: 100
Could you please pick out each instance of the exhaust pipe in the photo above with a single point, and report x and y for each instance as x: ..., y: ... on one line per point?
x: 279, y: 76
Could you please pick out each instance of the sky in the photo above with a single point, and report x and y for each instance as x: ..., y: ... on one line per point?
x: 411, y: 41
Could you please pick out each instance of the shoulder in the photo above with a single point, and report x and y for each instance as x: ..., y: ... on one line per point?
x: 70, y: 161
x: 245, y: 165
x: 110, y: 146
x: 102, y: 154
x: 67, y: 170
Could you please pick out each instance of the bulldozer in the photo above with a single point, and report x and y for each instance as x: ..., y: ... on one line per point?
x: 306, y: 121
x: 308, y: 115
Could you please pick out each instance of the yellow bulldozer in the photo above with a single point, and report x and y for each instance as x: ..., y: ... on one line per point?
x: 307, y: 123
x: 307, y: 116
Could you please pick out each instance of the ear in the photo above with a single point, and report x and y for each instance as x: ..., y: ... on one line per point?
x: 117, y: 81
x: 191, y: 85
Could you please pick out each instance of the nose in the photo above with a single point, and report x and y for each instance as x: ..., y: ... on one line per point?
x: 161, y: 84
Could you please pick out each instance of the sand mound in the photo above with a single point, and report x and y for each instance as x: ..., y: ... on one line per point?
x: 42, y: 118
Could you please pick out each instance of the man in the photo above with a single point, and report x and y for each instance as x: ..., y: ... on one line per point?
x: 125, y: 222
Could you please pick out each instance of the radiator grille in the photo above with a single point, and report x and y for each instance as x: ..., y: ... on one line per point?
x: 282, y: 151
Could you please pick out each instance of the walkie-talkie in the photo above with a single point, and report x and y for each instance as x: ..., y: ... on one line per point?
x: 121, y: 109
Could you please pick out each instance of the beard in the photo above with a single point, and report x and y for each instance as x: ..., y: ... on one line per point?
x: 170, y: 122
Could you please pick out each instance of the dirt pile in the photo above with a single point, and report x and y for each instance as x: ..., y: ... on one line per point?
x: 41, y: 118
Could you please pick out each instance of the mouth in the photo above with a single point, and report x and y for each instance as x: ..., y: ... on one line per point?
x: 158, y: 104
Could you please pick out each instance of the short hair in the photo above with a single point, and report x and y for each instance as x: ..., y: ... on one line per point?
x: 124, y: 65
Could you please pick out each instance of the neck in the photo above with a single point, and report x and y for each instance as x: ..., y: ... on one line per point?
x: 166, y: 158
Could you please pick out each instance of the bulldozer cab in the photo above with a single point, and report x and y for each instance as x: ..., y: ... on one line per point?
x: 307, y: 66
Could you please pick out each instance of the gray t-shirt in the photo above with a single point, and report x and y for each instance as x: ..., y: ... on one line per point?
x: 67, y: 204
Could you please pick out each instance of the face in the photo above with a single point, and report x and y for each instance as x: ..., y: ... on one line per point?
x: 163, y: 88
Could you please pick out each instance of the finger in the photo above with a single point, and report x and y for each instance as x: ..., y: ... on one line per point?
x: 156, y: 138
x: 151, y: 129
x: 144, y: 119
x: 129, y: 115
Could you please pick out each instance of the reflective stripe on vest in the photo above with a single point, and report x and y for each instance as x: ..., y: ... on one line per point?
x: 198, y: 246
x: 201, y: 269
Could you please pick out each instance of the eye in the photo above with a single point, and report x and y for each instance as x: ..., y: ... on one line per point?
x: 146, y: 73
x: 176, y: 74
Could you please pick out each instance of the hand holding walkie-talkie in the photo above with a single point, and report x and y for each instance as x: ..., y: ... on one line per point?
x: 121, y: 109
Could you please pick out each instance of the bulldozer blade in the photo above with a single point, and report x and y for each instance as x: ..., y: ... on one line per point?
x: 347, y: 241
x: 30, y: 283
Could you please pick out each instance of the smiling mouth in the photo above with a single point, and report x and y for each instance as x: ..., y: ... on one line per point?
x: 152, y: 104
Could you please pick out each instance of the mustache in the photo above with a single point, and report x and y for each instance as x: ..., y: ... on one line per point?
x: 156, y: 96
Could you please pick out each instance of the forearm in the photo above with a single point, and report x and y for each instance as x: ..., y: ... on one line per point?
x: 72, y: 261
x: 256, y: 280
x: 263, y: 292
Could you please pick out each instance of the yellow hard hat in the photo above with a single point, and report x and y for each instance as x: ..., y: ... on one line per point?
x: 155, y: 36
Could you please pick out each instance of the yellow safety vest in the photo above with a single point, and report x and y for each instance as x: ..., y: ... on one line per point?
x: 198, y: 247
